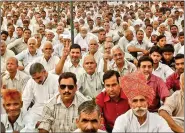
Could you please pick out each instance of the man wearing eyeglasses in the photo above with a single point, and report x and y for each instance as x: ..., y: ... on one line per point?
x: 59, y: 115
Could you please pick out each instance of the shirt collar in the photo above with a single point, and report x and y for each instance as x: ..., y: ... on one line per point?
x: 152, y: 78
x: 16, y: 75
x: 122, y: 96
x: 59, y: 100
x: 71, y: 64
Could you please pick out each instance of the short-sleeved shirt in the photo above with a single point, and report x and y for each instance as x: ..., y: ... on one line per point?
x: 111, y: 109
x: 172, y: 82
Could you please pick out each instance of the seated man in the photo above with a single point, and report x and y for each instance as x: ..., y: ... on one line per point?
x: 172, y: 82
x: 90, y: 83
x: 138, y: 118
x: 12, y: 103
x: 112, y: 101
x: 173, y: 109
x: 89, y: 119
x: 40, y: 88
x: 60, y: 113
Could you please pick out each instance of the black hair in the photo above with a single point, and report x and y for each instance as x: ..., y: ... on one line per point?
x: 67, y: 75
x: 145, y: 58
x: 168, y: 48
x: 4, y: 32
x: 179, y: 56
x: 156, y: 49
x: 160, y: 37
x: 75, y: 46
x: 108, y: 74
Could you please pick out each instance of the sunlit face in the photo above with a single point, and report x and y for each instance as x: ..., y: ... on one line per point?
x: 118, y: 56
x: 88, y: 123
x: 27, y: 34
x: 139, y: 105
x: 162, y: 42
x: 146, y: 68
x: 4, y: 37
x: 11, y: 65
x: 140, y: 35
x: 179, y: 65
x: 156, y: 57
x: 101, y: 36
x: 47, y: 50
x: 93, y: 46
x: 75, y: 55
x: 3, y: 48
x: 89, y: 65
x: 32, y: 45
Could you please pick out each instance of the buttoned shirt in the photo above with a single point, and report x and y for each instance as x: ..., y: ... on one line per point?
x: 18, y: 44
x: 17, y: 126
x: 18, y: 82
x: 90, y: 85
x: 113, y: 34
x: 26, y: 57
x: 177, y: 48
x: 181, y: 50
x: 127, y: 68
x: 123, y: 43
x: 128, y: 122
x: 97, y: 56
x: 10, y: 40
x: 40, y: 93
x: 172, y: 82
x: 58, y: 49
x: 162, y: 71
x: 111, y: 109
x: 161, y: 92
x: 56, y: 117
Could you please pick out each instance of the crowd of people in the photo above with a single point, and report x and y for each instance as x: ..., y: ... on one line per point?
x: 121, y: 71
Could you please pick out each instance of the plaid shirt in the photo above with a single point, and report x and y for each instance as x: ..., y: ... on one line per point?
x: 58, y: 118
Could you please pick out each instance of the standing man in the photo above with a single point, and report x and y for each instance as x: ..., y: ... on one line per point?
x: 60, y: 113
x: 138, y: 118
x: 112, y: 101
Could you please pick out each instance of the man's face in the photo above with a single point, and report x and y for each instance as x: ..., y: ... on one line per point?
x: 162, y: 28
x: 139, y: 105
x: 181, y: 39
x: 89, y: 65
x: 60, y: 29
x: 146, y: 68
x: 38, y: 37
x: 168, y: 56
x: 112, y: 87
x: 47, y: 50
x: 27, y: 34
x: 162, y: 42
x: 49, y: 36
x: 11, y: 65
x: 174, y: 30
x: 4, y: 37
x: 67, y: 89
x: 129, y: 36
x: 93, y: 46
x: 156, y: 57
x: 118, y: 56
x: 155, y: 24
x: 39, y: 78
x: 32, y: 45
x: 101, y: 36
x: 83, y: 32
x: 75, y: 55
x: 12, y: 107
x: 179, y: 65
x: 3, y: 48
x: 149, y: 30
x: 107, y: 48
x: 88, y: 122
x: 19, y: 31
x: 140, y: 36
x: 11, y: 29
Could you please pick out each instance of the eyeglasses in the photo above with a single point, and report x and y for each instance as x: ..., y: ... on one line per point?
x: 70, y: 87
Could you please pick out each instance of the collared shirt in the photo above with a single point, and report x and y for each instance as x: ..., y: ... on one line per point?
x: 123, y: 43
x: 171, y: 64
x: 113, y: 34
x: 17, y: 126
x: 48, y: 65
x: 69, y: 67
x: 177, y: 48
x: 18, y: 82
x: 160, y: 89
x: 26, y: 57
x: 40, y: 93
x: 10, y: 40
x: 128, y: 122
x: 80, y: 131
x: 90, y: 85
x: 18, y: 44
x: 59, y: 118
x: 111, y: 109
x: 181, y: 50
x: 127, y: 68
x: 58, y: 49
x: 172, y: 82
x: 174, y: 104
x: 162, y: 71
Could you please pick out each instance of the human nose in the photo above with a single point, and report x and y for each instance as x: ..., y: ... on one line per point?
x: 89, y: 126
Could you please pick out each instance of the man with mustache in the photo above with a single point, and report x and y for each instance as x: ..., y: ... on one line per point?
x: 89, y: 120
x: 40, y: 88
x: 138, y: 118
x: 60, y: 113
x: 172, y: 82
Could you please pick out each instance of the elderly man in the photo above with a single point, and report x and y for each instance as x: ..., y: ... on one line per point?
x: 173, y: 109
x: 89, y: 119
x: 5, y: 54
x: 112, y: 101
x: 121, y: 64
x: 138, y: 118
x: 48, y: 60
x: 90, y: 83
x: 172, y: 81
x: 39, y: 89
x: 14, y: 78
x: 72, y: 64
x: 60, y: 113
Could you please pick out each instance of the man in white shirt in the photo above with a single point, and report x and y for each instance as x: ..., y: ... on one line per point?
x: 138, y: 118
x: 159, y: 69
x: 90, y: 112
x: 40, y: 88
x: 178, y: 46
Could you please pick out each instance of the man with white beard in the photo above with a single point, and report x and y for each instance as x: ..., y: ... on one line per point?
x: 138, y: 118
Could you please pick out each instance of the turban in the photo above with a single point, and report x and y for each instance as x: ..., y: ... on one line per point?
x: 135, y: 84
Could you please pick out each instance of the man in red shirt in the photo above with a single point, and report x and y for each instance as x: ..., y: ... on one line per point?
x: 145, y: 65
x: 172, y: 82
x: 112, y: 102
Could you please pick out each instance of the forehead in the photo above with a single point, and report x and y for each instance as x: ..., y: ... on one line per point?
x: 139, y: 97
x: 75, y: 50
x: 146, y: 63
x: 93, y: 41
x: 9, y: 100
x: 48, y: 45
x: 91, y: 116
x: 11, y: 61
x: 179, y: 60
x: 31, y: 41
x: 66, y: 81
x: 112, y: 79
x: 89, y: 59
x: 116, y: 51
